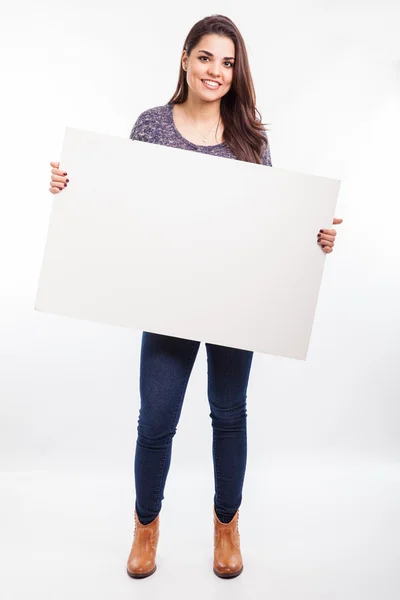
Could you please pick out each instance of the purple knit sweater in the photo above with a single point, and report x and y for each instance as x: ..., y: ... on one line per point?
x: 156, y: 125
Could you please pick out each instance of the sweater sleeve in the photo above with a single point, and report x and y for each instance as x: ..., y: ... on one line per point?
x: 143, y: 128
x: 266, y: 153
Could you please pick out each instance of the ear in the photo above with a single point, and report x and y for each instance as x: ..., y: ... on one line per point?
x: 184, y: 60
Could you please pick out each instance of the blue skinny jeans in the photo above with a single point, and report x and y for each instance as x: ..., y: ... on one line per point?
x: 165, y: 367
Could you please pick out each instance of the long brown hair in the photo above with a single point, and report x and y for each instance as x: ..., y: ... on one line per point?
x: 242, y: 121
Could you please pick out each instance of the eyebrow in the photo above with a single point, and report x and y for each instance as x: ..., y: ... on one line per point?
x: 210, y: 54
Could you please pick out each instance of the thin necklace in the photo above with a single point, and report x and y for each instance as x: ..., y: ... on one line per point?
x: 202, y: 136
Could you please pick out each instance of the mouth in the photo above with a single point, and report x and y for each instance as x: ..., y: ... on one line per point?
x: 210, y: 84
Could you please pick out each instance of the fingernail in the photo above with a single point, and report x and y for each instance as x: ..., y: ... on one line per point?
x: 65, y: 173
x: 321, y: 230
x: 67, y: 180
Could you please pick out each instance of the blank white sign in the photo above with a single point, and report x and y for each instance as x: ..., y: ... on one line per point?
x: 186, y: 244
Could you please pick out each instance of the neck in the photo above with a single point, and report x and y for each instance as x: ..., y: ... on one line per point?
x: 202, y: 111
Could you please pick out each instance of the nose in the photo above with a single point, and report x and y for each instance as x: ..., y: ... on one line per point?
x: 214, y: 71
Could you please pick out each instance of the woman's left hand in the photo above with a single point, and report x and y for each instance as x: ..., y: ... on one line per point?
x: 326, y: 237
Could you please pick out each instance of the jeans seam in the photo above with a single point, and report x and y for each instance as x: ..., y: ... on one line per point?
x: 215, y: 454
x: 195, y: 348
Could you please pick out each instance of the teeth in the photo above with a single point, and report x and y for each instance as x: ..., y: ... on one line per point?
x: 211, y: 83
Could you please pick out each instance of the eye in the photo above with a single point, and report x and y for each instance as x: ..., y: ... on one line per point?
x: 228, y: 62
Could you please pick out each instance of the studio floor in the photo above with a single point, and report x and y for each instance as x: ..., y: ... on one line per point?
x: 307, y: 532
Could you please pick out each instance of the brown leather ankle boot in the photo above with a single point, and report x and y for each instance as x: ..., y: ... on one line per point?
x: 227, y: 556
x: 141, y: 560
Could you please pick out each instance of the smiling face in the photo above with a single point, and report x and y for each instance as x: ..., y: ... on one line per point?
x: 212, y: 59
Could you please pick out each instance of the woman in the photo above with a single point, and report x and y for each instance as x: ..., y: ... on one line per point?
x: 212, y: 111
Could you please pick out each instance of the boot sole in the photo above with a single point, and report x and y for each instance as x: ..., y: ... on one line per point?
x: 228, y: 575
x: 141, y: 575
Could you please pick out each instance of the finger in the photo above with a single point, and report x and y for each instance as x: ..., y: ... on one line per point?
x: 327, y: 249
x: 58, y: 184
x: 56, y: 168
x: 324, y: 236
x: 54, y: 190
x: 58, y: 172
x: 337, y: 221
x: 328, y: 231
x: 59, y: 178
x: 325, y: 243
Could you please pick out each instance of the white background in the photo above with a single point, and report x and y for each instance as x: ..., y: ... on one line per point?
x: 320, y: 516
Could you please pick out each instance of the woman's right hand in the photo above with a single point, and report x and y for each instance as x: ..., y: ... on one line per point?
x: 58, y: 180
